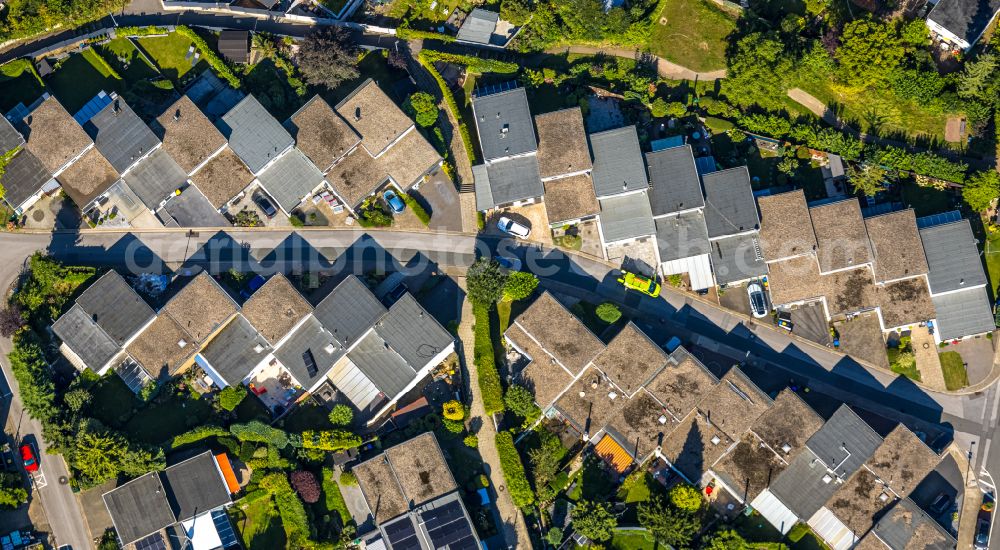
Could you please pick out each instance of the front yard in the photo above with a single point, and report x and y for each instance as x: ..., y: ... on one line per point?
x: 953, y: 367
x: 692, y: 33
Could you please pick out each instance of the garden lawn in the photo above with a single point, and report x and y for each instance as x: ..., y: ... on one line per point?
x: 633, y: 540
x: 333, y: 498
x: 269, y: 85
x: 903, y: 363
x: 138, y: 68
x: 307, y: 416
x: 260, y: 525
x: 79, y: 78
x: 992, y: 255
x: 925, y: 200
x: 694, y: 34
x: 955, y: 376
x: 112, y: 401
x: 169, y: 53
x: 160, y: 422
x: 19, y: 83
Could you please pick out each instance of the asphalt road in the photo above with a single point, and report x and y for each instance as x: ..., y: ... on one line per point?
x: 772, y: 357
x: 61, y: 506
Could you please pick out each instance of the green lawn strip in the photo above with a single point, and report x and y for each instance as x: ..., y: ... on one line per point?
x: 160, y: 422
x: 79, y: 78
x: 334, y: 498
x: 170, y: 53
x: 123, y: 49
x: 307, y: 416
x: 694, y: 34
x: 992, y: 255
x: 955, y: 376
x: 19, y: 83
x: 260, y: 525
x: 112, y: 401
x: 925, y: 200
x: 503, y: 312
x: 638, y: 539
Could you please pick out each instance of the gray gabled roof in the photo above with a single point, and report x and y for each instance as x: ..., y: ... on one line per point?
x: 845, y: 442
x: 233, y: 352
x: 626, y: 217
x: 254, y: 135
x: 82, y: 335
x: 309, y: 339
x: 618, y: 163
x: 195, y: 486
x: 801, y: 487
x: 385, y: 367
x: 120, y: 135
x: 507, y: 181
x: 193, y: 209
x: 737, y: 258
x: 674, y: 183
x: 966, y: 19
x: 729, y: 204
x: 682, y: 236
x: 139, y: 507
x: 478, y: 26
x: 963, y: 313
x: 349, y: 311
x: 9, y: 137
x: 23, y: 176
x: 155, y: 178
x: 115, y: 307
x: 952, y: 257
x: 504, y: 124
x: 412, y: 332
x: 290, y: 179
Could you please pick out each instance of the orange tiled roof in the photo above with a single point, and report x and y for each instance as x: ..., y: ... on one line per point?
x: 613, y: 453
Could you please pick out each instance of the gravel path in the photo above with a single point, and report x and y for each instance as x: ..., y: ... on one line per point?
x: 665, y: 68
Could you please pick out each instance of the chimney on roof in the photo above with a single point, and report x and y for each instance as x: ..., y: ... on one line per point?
x: 177, y: 115
x: 357, y: 114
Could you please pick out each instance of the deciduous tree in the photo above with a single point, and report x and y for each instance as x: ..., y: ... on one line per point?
x: 867, y: 178
x: 668, y: 523
x: 327, y: 57
x: 870, y: 51
x: 305, y: 484
x: 519, y: 286
x: 485, y: 282
x: 594, y: 520
x: 981, y: 189
x: 422, y: 107
x: 341, y: 415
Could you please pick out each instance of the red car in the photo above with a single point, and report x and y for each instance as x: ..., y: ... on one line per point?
x: 28, y: 458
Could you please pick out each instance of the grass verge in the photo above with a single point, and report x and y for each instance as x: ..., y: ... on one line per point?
x: 692, y: 33
x: 955, y: 376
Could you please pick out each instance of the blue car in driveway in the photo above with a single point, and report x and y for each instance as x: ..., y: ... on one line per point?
x: 394, y: 201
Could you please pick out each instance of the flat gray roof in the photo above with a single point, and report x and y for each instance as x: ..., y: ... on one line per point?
x: 139, y: 507
x: 674, y: 182
x: 729, y: 204
x: 845, y: 442
x: 82, y: 335
x: 115, y: 307
x: 309, y: 341
x: 349, y: 311
x: 626, y: 217
x: 195, y: 486
x: 192, y: 209
x: 254, y: 135
x: 952, y: 257
x: 507, y: 181
x: 23, y: 176
x: 120, y: 135
x: 963, y: 313
x: 504, y: 124
x: 908, y: 526
x: 232, y: 353
x: 412, y: 332
x: 382, y: 365
x: 737, y: 258
x: 618, y: 163
x: 478, y: 26
x: 155, y: 178
x: 290, y: 179
x: 682, y: 236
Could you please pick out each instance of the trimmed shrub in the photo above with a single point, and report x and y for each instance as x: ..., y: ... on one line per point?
x: 258, y: 432
x: 475, y: 64
x: 453, y: 410
x: 349, y: 479
x: 485, y: 361
x: 608, y: 312
x: 513, y: 471
x: 471, y: 441
x: 293, y: 514
x: 197, y: 434
x: 416, y: 208
x: 427, y: 61
x: 330, y: 440
x: 231, y: 396
x: 305, y: 484
x: 341, y: 415
x: 685, y: 497
x: 406, y: 33
x: 136, y: 32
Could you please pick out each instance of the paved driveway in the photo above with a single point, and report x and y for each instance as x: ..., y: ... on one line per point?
x: 440, y: 198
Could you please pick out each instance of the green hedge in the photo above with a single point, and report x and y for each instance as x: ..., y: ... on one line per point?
x: 331, y: 440
x: 209, y: 55
x: 254, y: 496
x: 427, y: 60
x: 258, y: 432
x: 513, y: 471
x: 475, y: 64
x: 107, y: 66
x: 290, y: 508
x: 197, y: 434
x: 140, y: 31
x: 485, y: 361
x: 406, y: 33
x: 418, y: 210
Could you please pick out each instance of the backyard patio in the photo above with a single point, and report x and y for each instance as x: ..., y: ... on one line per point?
x: 275, y: 387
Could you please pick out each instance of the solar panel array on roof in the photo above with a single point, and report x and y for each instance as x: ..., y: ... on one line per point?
x: 402, y: 535
x: 447, y: 527
x: 152, y: 542
x: 224, y: 528
x: 938, y: 219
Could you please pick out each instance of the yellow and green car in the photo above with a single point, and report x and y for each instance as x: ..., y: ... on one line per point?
x: 644, y: 285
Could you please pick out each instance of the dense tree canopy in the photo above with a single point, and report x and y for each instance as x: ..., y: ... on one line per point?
x: 327, y: 57
x: 485, y: 282
x: 519, y: 286
x: 757, y: 71
x: 668, y: 523
x: 981, y: 189
x: 869, y: 51
x: 594, y: 520
x: 422, y: 107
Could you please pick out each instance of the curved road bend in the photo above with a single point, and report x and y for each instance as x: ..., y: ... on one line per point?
x: 705, y: 324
